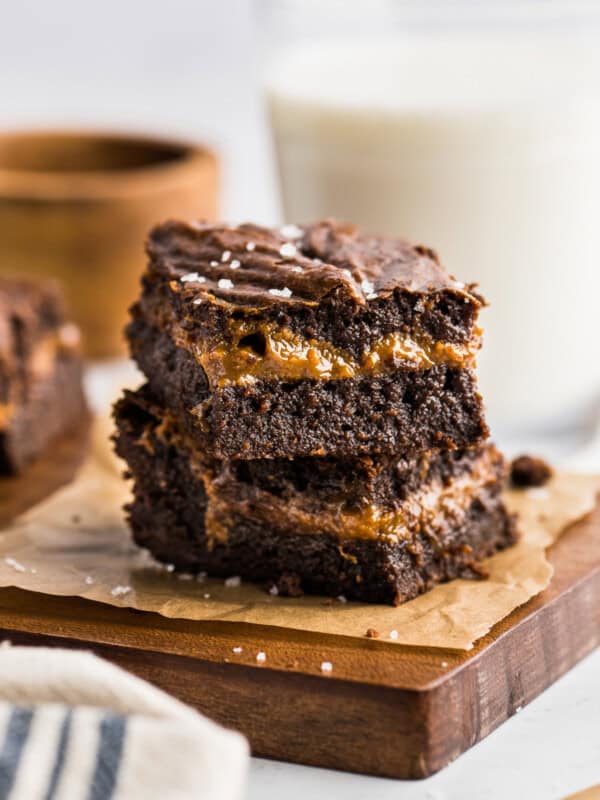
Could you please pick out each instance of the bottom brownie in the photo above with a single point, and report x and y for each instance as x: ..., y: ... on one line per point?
x: 210, y: 516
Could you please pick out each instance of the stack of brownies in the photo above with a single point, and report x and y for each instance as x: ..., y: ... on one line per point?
x: 311, y: 417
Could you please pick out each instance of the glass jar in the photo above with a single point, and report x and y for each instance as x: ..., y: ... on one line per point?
x: 473, y: 128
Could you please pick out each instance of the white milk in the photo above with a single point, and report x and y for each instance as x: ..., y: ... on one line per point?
x: 489, y: 153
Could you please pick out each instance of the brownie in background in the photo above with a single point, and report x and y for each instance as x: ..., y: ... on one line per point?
x: 41, y: 392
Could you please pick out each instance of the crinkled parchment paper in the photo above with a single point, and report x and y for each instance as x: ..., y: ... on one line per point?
x: 76, y: 543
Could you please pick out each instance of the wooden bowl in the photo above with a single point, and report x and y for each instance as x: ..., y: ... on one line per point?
x: 78, y: 206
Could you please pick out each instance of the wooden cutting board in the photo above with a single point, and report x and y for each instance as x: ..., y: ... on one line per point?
x: 385, y: 709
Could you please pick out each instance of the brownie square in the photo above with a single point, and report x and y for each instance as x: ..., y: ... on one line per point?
x: 41, y: 393
x: 304, y: 341
x: 377, y: 529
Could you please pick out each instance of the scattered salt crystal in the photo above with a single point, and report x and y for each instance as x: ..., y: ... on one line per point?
x: 214, y: 263
x: 287, y: 250
x: 317, y: 261
x: 326, y: 666
x: 393, y: 634
x: 192, y: 277
x: 261, y: 657
x: 291, y: 231
x: 234, y: 581
x: 170, y: 567
x: 250, y: 246
x: 198, y: 301
x: 367, y: 287
x: 347, y: 273
x: 237, y: 649
x: 297, y: 268
x: 119, y: 591
x: 444, y: 663
x: 89, y: 580
x: 12, y: 562
x: 235, y: 264
x: 285, y: 292
x: 185, y: 576
x: 226, y: 256
x: 538, y: 493
x: 274, y: 590
x: 206, y: 596
x: 518, y: 708
x: 224, y: 283
x: 341, y: 599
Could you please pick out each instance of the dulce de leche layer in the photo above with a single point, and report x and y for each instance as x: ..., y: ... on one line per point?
x: 268, y: 352
x: 436, y: 508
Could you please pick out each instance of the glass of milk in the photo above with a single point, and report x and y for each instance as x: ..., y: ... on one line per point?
x: 477, y: 134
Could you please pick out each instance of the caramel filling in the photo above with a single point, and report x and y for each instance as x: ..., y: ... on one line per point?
x: 431, y: 510
x: 267, y: 352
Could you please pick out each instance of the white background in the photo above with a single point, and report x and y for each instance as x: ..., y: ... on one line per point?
x: 189, y: 68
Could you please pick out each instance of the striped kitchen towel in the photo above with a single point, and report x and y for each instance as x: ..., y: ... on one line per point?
x: 74, y: 727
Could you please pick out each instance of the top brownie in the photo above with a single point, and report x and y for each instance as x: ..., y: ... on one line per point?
x: 309, y: 340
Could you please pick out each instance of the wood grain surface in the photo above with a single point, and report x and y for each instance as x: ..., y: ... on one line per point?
x: 384, y: 710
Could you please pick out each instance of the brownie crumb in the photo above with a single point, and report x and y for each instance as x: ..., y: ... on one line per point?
x: 372, y: 633
x: 289, y: 585
x: 527, y: 471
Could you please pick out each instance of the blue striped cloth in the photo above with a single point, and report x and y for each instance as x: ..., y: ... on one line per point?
x: 73, y: 726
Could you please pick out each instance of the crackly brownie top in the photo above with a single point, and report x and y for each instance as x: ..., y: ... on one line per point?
x: 249, y: 265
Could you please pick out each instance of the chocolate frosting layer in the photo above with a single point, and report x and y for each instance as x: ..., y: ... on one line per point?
x: 253, y: 266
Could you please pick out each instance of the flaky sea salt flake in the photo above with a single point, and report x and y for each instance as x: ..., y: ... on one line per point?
x: 326, y: 667
x: 285, y: 292
x: 225, y: 283
x: 233, y: 582
x: 287, y: 250
x: 16, y: 565
x: 120, y: 591
x: 291, y: 231
x: 226, y: 256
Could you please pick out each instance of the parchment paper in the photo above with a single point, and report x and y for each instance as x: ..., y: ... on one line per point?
x: 76, y: 543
